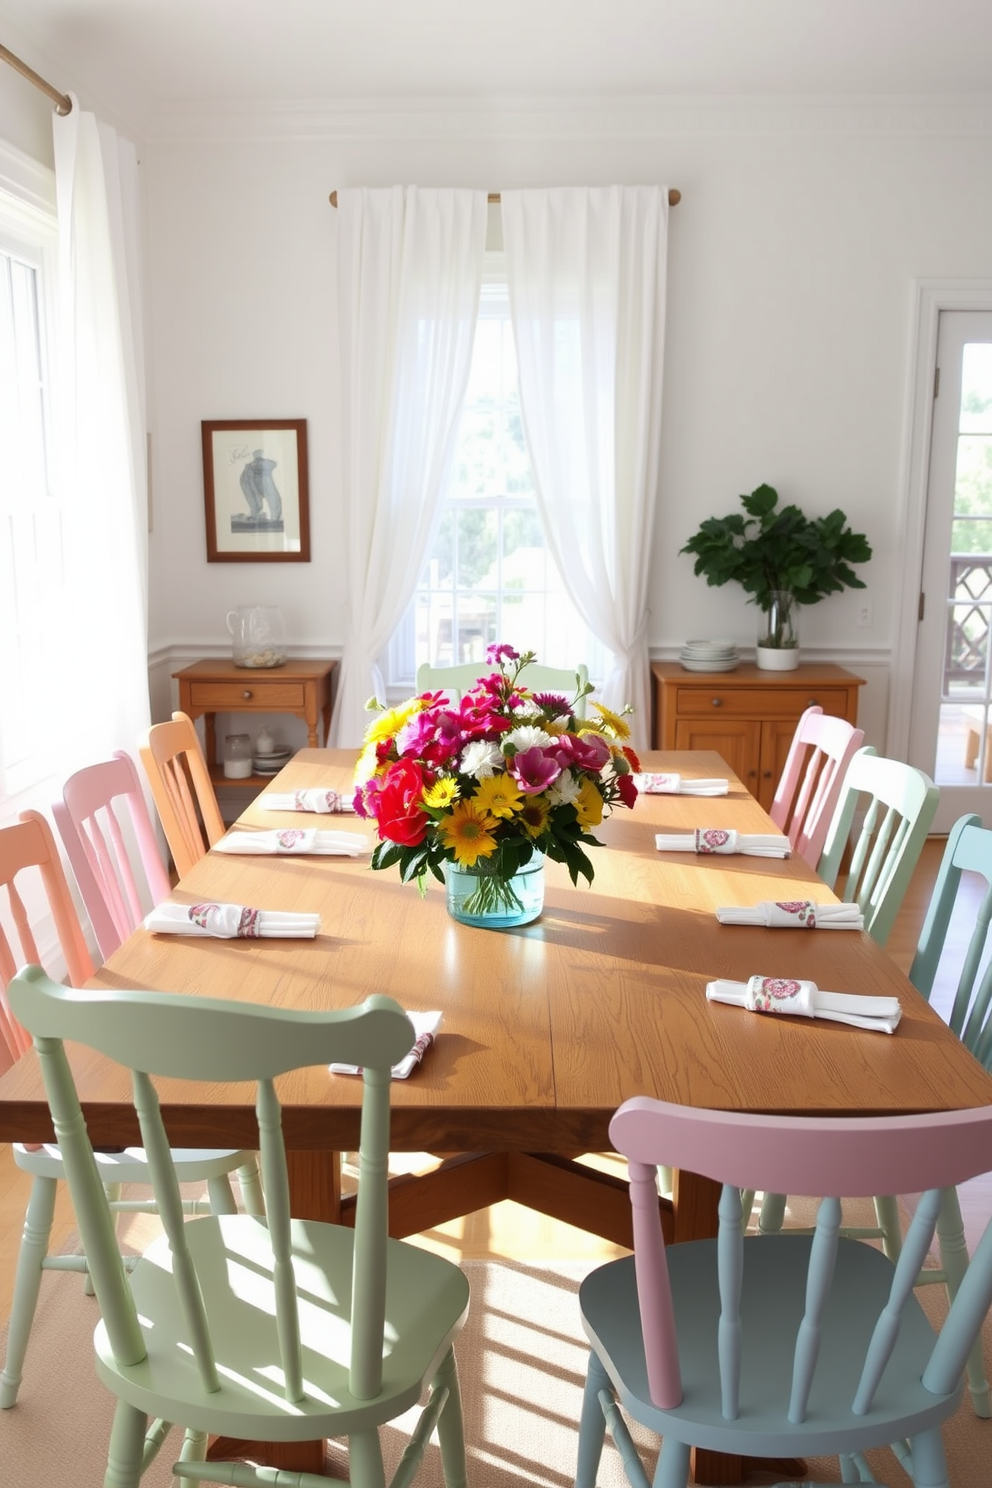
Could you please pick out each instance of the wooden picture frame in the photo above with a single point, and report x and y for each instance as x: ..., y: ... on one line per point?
x: 256, y: 490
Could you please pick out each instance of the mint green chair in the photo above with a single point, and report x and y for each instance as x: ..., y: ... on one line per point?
x: 899, y: 803
x: 455, y: 680
x: 787, y: 1345
x: 274, y: 1329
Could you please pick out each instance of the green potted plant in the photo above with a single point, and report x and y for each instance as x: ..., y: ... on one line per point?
x: 782, y: 559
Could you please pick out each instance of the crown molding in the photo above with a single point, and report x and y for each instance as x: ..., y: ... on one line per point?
x: 574, y: 119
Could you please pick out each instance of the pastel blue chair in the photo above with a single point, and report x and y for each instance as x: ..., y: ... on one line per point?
x: 786, y: 1345
x: 455, y: 680
x: 275, y: 1329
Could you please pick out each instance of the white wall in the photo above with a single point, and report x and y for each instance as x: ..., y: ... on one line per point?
x: 792, y: 258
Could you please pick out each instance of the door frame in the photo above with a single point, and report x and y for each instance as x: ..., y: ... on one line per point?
x: 930, y: 297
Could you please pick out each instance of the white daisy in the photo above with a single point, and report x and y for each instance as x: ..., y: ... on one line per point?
x: 526, y: 737
x: 480, y: 759
x: 565, y: 791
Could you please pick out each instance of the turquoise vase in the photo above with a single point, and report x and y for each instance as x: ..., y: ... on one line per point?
x: 476, y: 897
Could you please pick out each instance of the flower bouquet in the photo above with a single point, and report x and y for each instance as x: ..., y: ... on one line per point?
x: 488, y: 785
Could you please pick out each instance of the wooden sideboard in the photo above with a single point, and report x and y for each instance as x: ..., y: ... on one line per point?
x: 748, y: 716
x: 302, y: 688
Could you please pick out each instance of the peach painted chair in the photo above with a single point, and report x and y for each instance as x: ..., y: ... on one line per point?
x: 28, y: 852
x: 786, y: 1345
x: 182, y: 790
x: 98, y: 804
x: 807, y: 793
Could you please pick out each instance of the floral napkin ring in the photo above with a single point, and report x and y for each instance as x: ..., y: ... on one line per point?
x: 218, y: 918
x: 797, y: 914
x: 780, y: 995
x: 716, y: 840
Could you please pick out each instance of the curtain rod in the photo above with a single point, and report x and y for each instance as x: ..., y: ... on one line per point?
x: 674, y: 197
x: 62, y: 102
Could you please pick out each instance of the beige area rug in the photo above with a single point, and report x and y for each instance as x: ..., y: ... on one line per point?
x: 522, y: 1363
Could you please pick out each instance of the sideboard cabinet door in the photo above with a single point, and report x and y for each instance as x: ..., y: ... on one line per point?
x: 748, y: 716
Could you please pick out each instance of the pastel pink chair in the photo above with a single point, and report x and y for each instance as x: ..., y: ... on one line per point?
x: 807, y: 793
x: 29, y: 857
x: 98, y: 805
x: 785, y: 1345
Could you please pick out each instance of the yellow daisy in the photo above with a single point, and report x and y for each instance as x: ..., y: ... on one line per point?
x: 388, y: 724
x: 613, y: 721
x: 367, y: 766
x: 499, y: 795
x: 589, y: 806
x: 440, y: 795
x: 469, y: 833
x: 534, y: 816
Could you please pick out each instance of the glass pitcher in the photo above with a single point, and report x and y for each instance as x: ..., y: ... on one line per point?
x: 258, y: 634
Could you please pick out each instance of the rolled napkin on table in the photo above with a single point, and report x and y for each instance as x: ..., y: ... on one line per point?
x: 425, y: 1026
x: 655, y: 784
x: 231, y: 922
x: 724, y: 840
x: 782, y: 995
x: 294, y: 840
x: 793, y: 914
x: 322, y: 801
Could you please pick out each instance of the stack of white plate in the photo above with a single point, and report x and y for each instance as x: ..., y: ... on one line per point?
x: 709, y: 656
x: 271, y: 762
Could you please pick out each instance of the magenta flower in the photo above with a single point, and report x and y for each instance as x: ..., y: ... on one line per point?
x: 588, y: 751
x: 503, y: 652
x: 534, y: 770
x: 552, y: 702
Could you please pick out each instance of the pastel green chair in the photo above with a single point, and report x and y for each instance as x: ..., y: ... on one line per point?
x: 455, y: 680
x: 275, y: 1329
x: 787, y: 1345
x: 899, y: 803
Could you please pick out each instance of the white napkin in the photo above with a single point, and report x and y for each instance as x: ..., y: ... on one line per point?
x: 425, y: 1026
x: 293, y: 840
x: 230, y: 922
x: 306, y: 800
x: 781, y: 995
x: 793, y: 914
x: 673, y: 785
x: 724, y: 840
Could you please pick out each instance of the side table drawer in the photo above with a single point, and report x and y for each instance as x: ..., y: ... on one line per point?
x: 773, y: 702
x: 234, y: 697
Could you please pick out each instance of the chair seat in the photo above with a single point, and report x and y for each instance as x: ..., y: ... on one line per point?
x: 193, y: 1164
x: 426, y: 1303
x: 774, y: 1266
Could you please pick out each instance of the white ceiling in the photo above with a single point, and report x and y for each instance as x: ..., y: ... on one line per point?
x: 149, y: 57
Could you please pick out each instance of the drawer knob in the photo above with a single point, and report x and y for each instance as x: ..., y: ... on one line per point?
x: 246, y: 693
x: 716, y: 702
x: 812, y: 703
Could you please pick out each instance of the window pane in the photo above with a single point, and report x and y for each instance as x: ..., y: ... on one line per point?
x: 976, y: 389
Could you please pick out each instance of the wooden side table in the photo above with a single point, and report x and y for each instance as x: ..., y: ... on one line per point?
x: 302, y: 688
x: 748, y: 716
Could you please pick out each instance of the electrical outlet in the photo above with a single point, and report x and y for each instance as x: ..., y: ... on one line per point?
x: 864, y: 614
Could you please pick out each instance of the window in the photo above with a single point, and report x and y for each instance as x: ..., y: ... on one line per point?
x: 489, y: 576
x: 31, y: 549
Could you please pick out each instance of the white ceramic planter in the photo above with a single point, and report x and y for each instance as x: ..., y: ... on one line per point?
x: 777, y: 658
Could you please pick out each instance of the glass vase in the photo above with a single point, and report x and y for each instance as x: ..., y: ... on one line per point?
x: 778, y: 632
x: 478, y: 897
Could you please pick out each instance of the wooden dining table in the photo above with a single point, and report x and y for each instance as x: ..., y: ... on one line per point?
x: 546, y: 1028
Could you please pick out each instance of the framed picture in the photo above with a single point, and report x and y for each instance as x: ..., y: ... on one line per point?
x: 255, y: 488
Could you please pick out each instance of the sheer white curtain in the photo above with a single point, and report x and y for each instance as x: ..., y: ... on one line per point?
x: 100, y: 439
x: 409, y: 277
x: 586, y: 269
